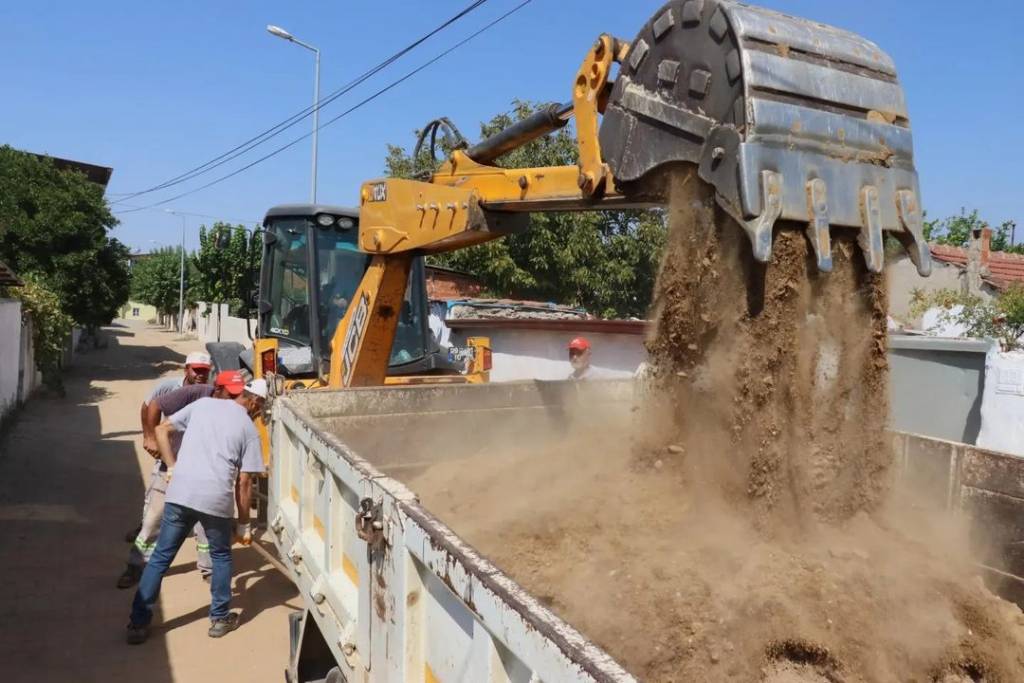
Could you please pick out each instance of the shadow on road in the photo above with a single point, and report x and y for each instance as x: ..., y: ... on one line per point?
x: 254, y: 588
x: 67, y: 494
x: 126, y: 361
x: 70, y: 487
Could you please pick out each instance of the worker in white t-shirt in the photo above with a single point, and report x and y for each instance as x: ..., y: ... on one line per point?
x: 220, y: 450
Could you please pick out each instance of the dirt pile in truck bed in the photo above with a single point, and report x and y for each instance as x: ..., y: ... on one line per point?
x: 742, y: 528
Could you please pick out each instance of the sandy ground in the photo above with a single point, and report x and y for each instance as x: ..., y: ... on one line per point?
x: 72, y: 477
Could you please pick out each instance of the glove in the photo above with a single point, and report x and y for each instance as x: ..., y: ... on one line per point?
x: 243, y: 534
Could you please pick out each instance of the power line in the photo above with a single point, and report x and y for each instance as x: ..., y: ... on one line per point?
x: 348, y: 111
x: 129, y: 209
x: 282, y: 126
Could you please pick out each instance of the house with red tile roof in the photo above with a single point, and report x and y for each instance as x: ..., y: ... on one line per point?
x: 998, y: 268
x: 990, y: 273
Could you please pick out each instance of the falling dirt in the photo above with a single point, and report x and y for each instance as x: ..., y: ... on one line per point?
x: 740, y: 526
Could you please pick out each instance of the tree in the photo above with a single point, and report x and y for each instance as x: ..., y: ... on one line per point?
x: 102, y: 284
x: 604, y: 261
x: 1001, y: 318
x: 54, y: 224
x: 156, y: 280
x: 956, y: 231
x: 226, y: 266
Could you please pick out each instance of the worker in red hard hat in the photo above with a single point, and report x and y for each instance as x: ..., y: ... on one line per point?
x: 579, y: 359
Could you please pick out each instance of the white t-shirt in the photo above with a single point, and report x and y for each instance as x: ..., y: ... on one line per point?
x: 220, y: 441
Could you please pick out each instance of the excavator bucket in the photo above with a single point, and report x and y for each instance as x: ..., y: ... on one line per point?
x: 789, y: 120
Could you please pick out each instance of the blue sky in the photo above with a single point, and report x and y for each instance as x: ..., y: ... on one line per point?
x: 155, y: 88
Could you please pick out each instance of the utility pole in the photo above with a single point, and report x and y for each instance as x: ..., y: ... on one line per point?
x: 281, y: 33
x: 181, y: 275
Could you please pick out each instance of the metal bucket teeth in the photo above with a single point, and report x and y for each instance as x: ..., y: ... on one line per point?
x: 761, y: 100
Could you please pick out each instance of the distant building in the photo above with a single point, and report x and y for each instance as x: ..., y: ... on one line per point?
x: 997, y: 268
x: 974, y: 268
x: 134, y: 259
x: 97, y: 174
x: 445, y: 284
x: 134, y: 310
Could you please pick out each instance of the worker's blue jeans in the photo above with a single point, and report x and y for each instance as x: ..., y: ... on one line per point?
x: 174, y: 528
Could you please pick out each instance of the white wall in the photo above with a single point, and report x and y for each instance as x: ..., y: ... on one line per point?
x: 219, y: 326
x: 543, y: 354
x: 10, y: 353
x: 903, y: 279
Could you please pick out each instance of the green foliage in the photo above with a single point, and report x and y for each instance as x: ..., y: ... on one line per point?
x: 1001, y: 319
x: 50, y: 325
x: 226, y: 273
x: 101, y: 288
x: 54, y: 224
x: 956, y: 231
x: 156, y: 280
x: 604, y: 261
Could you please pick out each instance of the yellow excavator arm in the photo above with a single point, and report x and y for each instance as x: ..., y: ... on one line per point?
x: 792, y: 122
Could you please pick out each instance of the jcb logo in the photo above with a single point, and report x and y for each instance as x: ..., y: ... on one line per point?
x: 352, y: 338
x: 379, y: 192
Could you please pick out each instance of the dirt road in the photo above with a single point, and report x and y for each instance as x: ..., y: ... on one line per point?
x: 72, y: 476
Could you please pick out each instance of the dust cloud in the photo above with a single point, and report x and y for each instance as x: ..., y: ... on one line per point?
x: 740, y: 524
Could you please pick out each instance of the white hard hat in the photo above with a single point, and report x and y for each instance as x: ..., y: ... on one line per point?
x: 198, y: 358
x: 257, y: 387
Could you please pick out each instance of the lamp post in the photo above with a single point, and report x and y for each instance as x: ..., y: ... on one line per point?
x: 181, y: 276
x: 281, y: 33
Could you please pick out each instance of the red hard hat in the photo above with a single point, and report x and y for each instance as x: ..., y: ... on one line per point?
x: 579, y: 344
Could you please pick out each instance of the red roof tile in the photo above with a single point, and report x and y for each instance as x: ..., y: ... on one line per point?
x: 1004, y: 269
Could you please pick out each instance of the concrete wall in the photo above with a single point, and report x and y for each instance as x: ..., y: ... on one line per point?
x: 903, y: 279
x: 217, y: 325
x: 18, y: 374
x: 10, y: 353
x: 922, y: 368
x: 542, y: 354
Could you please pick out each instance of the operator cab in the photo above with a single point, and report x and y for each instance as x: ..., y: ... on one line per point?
x: 310, y: 271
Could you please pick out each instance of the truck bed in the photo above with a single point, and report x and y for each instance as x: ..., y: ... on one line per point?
x: 414, y: 600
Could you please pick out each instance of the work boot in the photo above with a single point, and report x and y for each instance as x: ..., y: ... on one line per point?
x: 136, y: 634
x: 130, y: 577
x: 130, y: 536
x: 223, y: 626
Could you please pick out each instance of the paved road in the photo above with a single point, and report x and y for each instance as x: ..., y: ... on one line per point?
x: 72, y: 476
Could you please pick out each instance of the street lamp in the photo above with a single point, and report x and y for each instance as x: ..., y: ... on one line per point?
x: 281, y: 33
x: 181, y: 277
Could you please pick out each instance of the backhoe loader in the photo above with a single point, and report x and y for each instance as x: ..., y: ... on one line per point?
x: 794, y: 125
x: 309, y: 270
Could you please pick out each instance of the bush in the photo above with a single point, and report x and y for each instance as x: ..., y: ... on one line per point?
x: 1001, y: 319
x: 50, y: 327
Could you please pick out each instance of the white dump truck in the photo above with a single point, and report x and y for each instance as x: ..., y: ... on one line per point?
x: 392, y: 594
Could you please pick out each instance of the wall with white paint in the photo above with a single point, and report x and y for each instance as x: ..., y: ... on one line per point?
x: 219, y: 326
x: 10, y: 353
x: 543, y: 354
